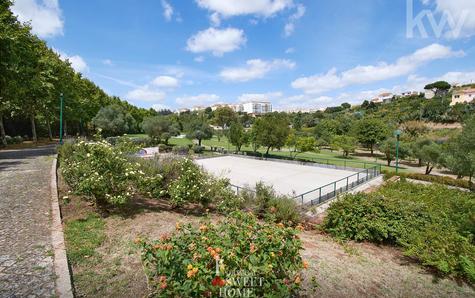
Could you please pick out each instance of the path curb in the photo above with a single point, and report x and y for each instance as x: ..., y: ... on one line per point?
x: 63, y: 277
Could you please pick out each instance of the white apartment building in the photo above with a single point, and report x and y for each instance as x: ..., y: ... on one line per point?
x: 257, y: 107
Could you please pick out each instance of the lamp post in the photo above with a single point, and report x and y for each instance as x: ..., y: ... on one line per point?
x: 61, y: 119
x: 397, y: 133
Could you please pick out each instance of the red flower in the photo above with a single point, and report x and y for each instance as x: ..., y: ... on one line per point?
x: 218, y: 282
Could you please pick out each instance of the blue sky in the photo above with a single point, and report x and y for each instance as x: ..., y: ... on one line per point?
x: 297, y: 54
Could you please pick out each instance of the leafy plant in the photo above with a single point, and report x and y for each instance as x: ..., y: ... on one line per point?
x: 217, y: 258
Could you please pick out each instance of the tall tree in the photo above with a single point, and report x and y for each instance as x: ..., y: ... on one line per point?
x: 371, y: 131
x: 271, y: 131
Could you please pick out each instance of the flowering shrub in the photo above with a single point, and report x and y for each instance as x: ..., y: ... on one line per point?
x: 192, y: 185
x: 238, y: 255
x: 100, y: 171
x: 151, y: 182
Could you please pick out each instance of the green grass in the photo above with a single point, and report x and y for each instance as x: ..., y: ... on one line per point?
x: 83, y: 236
x: 333, y: 157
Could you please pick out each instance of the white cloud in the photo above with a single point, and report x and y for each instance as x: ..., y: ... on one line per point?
x: 107, y: 62
x: 77, y: 62
x: 259, y: 96
x: 199, y: 59
x: 160, y: 107
x: 289, y: 50
x: 216, y: 41
x: 223, y: 9
x: 458, y: 12
x: 45, y: 16
x: 144, y: 93
x: 200, y: 99
x: 372, y: 73
x: 167, y: 10
x: 290, y: 26
x: 165, y: 82
x: 254, y: 69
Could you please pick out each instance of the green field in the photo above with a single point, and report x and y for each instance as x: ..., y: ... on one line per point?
x: 324, y: 156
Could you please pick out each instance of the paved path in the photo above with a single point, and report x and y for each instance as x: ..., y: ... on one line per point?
x: 26, y: 255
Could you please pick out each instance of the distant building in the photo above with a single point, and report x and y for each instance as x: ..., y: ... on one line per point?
x: 237, y: 107
x: 197, y: 109
x: 408, y: 93
x: 461, y: 95
x: 386, y: 97
x: 257, y: 107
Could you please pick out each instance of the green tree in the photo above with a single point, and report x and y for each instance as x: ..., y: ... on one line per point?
x: 431, y: 155
x: 197, y: 128
x: 414, y: 128
x: 159, y: 127
x: 347, y: 144
x: 223, y: 117
x: 459, y: 155
x: 439, y: 85
x: 271, y: 131
x: 325, y: 130
x: 238, y: 136
x: 371, y: 131
x: 388, y: 148
x: 300, y: 144
x: 112, y: 120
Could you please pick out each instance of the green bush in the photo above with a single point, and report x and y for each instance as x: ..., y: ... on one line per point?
x: 445, y: 180
x: 151, y: 182
x: 432, y: 223
x: 223, y: 196
x: 191, y: 186
x: 181, y: 150
x: 198, y: 149
x: 99, y: 171
x: 217, y: 259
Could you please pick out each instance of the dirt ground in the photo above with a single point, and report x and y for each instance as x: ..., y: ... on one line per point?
x: 335, y: 269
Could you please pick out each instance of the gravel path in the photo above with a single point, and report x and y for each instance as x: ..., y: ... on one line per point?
x: 26, y: 255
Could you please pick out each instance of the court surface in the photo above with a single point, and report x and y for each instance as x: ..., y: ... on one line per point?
x: 286, y: 178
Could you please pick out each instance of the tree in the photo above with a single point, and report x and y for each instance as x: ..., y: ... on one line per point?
x: 299, y: 144
x: 371, y: 131
x: 223, y: 117
x: 197, y: 128
x: 159, y: 127
x: 388, y: 148
x: 297, y: 121
x: 237, y: 136
x: 439, y: 85
x: 345, y: 143
x: 112, y: 120
x: 459, y: 154
x: 325, y: 130
x: 271, y: 131
x: 431, y: 155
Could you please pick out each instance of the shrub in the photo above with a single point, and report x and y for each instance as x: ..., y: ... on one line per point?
x: 192, y: 185
x: 18, y: 140
x: 181, y: 150
x: 431, y: 223
x: 223, y: 196
x: 151, y: 182
x: 165, y: 148
x: 216, y: 259
x: 198, y: 149
x: 100, y: 171
x: 445, y: 180
x: 9, y: 139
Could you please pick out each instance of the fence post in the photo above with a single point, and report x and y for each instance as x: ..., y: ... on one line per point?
x: 302, y: 199
x: 334, y: 189
x: 347, y: 180
x: 319, y: 194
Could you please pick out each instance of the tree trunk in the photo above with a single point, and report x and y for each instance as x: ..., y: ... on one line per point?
x: 420, y: 162
x: 33, y: 128
x: 389, y: 162
x: 2, y: 131
x: 267, y: 151
x: 50, y: 134
x: 428, y: 169
x: 371, y: 148
x: 199, y: 142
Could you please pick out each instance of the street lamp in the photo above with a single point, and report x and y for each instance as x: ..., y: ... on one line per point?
x: 397, y: 133
x: 61, y: 119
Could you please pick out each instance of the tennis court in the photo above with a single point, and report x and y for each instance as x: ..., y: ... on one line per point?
x: 286, y: 178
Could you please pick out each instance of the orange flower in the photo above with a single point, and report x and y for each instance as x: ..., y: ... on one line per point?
x: 305, y: 264
x: 300, y: 227
x: 137, y: 240
x: 252, y: 248
x: 163, y: 278
x: 218, y: 282
x: 163, y: 285
x: 157, y: 246
x: 297, y: 280
x: 217, y: 249
x: 203, y: 228
x: 280, y: 225
x: 178, y: 226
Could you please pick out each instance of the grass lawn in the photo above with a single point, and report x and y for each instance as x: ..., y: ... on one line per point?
x: 331, y: 157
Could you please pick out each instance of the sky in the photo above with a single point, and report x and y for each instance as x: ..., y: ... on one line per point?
x: 297, y: 54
